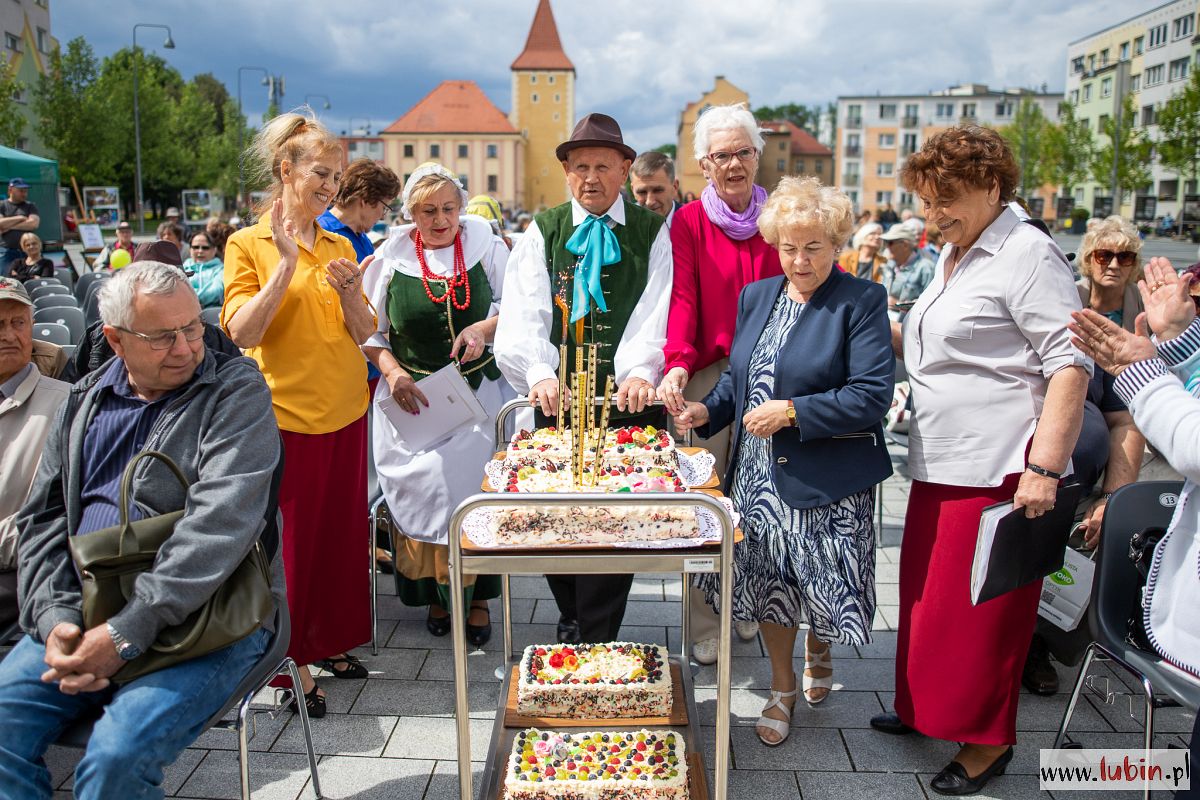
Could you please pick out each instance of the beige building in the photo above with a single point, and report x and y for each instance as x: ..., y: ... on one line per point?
x: 791, y: 150
x: 543, y: 109
x: 457, y: 126
x: 687, y: 169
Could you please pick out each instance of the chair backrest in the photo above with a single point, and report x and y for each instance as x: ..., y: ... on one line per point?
x: 91, y: 304
x: 85, y: 280
x: 1132, y: 508
x: 212, y: 316
x: 48, y: 289
x: 37, y: 283
x: 52, y: 332
x: 64, y: 315
x: 65, y: 276
x: 55, y: 300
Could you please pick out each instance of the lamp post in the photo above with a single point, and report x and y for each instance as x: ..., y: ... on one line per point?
x: 325, y: 97
x: 241, y: 128
x: 169, y: 44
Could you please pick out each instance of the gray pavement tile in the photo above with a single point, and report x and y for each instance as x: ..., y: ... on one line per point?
x: 1036, y: 713
x: 522, y: 610
x: 425, y: 698
x: 443, y: 784
x: 1026, y: 755
x: 873, y: 751
x: 649, y: 589
x: 747, y: 673
x: 856, y: 785
x: 338, y: 734
x: 1118, y: 714
x: 842, y: 709
x: 62, y: 761
x: 887, y: 618
x: 887, y: 594
x: 436, y: 738
x: 882, y: 645
x: 273, y: 776
x: 805, y: 748
x: 775, y: 785
x: 637, y: 612
x: 266, y: 729
x: 887, y: 573
x: 529, y: 586
x: 340, y: 694
x: 374, y: 778
x: 481, y: 665
x: 411, y: 633
x: 388, y: 606
x: 392, y: 663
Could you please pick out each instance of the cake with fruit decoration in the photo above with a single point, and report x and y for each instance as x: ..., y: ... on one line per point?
x: 597, y: 765
x: 634, y: 445
x: 594, y: 681
x: 530, y: 474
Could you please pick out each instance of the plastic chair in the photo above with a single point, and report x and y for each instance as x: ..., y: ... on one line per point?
x: 55, y: 301
x: 70, y: 316
x: 37, y: 283
x: 69, y: 349
x: 1116, y: 587
x: 52, y: 332
x: 47, y: 289
x: 65, y: 276
x: 275, y: 662
x: 85, y: 281
x: 91, y: 304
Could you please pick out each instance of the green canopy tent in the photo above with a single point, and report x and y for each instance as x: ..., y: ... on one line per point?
x: 42, y: 176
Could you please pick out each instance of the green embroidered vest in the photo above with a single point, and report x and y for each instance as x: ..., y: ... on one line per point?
x: 622, y: 283
x: 421, y: 333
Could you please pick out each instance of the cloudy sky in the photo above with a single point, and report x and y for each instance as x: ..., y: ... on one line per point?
x: 639, y: 61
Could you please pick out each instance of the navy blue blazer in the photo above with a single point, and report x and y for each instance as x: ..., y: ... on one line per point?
x: 837, y: 368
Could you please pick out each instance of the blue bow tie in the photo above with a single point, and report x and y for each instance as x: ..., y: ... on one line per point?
x: 597, y: 245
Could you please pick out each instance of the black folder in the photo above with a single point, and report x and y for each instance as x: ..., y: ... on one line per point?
x: 1013, y: 550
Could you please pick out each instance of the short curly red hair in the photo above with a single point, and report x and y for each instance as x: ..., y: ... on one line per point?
x: 961, y: 158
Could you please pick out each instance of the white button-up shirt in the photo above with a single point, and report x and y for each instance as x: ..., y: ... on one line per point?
x: 980, y: 350
x: 523, y: 347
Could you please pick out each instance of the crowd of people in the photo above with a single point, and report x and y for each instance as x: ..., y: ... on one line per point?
x: 773, y: 324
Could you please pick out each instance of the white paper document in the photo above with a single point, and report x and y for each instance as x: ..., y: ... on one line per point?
x: 452, y: 405
x: 989, y: 519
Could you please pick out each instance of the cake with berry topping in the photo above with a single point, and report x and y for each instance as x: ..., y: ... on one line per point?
x: 597, y: 681
x: 637, y: 445
x: 597, y: 765
x: 541, y: 474
x: 549, y: 442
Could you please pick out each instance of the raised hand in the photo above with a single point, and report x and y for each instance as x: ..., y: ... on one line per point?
x: 346, y: 277
x: 1108, y: 344
x: 1165, y: 293
x: 283, y: 234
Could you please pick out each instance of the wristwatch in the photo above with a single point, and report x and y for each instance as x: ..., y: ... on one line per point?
x: 126, y: 649
x: 791, y: 414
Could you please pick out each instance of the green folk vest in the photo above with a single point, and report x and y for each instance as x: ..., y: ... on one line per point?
x: 622, y: 283
x: 423, y: 333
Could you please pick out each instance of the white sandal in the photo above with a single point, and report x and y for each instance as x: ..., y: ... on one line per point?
x: 822, y: 660
x: 783, y: 727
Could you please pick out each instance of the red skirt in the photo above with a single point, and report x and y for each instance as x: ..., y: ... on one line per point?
x: 323, y: 497
x: 958, y: 666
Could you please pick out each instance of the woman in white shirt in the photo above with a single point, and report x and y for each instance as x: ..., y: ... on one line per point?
x: 998, y: 396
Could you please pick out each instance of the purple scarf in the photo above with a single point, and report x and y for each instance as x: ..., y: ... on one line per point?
x: 738, y: 227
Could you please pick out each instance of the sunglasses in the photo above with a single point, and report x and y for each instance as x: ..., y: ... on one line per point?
x: 1125, y: 258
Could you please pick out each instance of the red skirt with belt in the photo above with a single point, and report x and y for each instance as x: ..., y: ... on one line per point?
x: 958, y: 666
x: 323, y: 497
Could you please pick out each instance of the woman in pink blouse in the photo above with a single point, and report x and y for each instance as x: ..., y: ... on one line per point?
x: 717, y: 250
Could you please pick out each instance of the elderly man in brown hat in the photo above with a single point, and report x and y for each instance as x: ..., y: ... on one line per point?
x: 606, y: 264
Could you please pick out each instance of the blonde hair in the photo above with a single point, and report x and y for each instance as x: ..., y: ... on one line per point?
x: 862, y: 233
x: 428, y: 186
x: 1111, y: 229
x: 29, y: 235
x: 294, y: 137
x: 805, y: 201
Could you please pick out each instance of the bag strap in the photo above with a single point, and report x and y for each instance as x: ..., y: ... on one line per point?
x: 128, y: 539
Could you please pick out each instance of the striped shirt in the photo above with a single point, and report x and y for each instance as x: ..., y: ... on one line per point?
x: 118, y: 431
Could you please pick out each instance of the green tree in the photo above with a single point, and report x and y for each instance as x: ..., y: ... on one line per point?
x: 12, y: 122
x: 1026, y: 136
x: 1068, y: 150
x: 1136, y: 153
x: 668, y: 148
x: 1179, y: 132
x: 71, y: 115
x: 801, y: 116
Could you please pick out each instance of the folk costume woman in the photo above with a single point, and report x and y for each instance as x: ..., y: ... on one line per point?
x: 436, y: 285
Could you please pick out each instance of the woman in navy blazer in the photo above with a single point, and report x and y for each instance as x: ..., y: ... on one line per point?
x: 810, y: 378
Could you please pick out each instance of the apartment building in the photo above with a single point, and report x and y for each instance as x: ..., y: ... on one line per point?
x: 876, y: 133
x: 1150, y: 57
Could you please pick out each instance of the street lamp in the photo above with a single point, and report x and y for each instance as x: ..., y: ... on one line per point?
x: 169, y: 44
x: 327, y: 104
x: 241, y: 128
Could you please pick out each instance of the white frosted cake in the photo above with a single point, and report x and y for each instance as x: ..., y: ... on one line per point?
x: 597, y: 765
x: 596, y: 681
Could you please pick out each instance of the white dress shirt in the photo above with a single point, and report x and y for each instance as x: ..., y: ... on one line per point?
x: 980, y: 351
x: 523, y: 346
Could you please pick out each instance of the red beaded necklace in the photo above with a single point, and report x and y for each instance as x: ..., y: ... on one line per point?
x: 459, y: 278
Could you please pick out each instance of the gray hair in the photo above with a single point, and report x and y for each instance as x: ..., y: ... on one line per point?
x: 150, y: 277
x: 725, y: 118
x: 862, y: 233
x: 651, y: 162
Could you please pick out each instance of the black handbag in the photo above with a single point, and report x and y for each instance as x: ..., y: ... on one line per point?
x: 1141, y: 554
x: 109, y: 561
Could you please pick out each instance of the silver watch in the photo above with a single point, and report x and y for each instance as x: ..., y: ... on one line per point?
x: 126, y: 649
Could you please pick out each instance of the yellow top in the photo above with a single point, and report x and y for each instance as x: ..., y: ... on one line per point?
x: 317, y: 375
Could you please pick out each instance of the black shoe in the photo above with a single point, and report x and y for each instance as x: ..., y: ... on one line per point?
x: 890, y: 723
x: 438, y: 626
x: 953, y: 779
x: 568, y: 631
x: 1039, y: 676
x: 314, y: 704
x: 353, y: 667
x: 478, y: 635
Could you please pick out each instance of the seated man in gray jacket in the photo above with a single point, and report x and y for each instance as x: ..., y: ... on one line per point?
x: 210, y: 413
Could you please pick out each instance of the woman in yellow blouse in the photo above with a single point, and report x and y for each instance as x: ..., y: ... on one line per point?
x: 294, y: 303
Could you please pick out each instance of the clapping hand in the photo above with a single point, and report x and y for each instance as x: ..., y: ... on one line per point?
x: 345, y: 276
x: 1165, y: 293
x: 1108, y: 344
x: 283, y: 234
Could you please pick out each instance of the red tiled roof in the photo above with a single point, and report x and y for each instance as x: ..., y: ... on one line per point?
x: 453, y: 107
x: 803, y: 142
x: 543, y: 48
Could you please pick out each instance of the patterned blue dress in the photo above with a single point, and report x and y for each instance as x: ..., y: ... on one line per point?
x: 814, y: 564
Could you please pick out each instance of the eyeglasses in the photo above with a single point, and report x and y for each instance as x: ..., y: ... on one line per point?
x: 1125, y: 258
x: 721, y: 158
x: 166, y: 339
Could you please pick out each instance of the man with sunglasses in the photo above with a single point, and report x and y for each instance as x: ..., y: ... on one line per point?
x: 211, y: 415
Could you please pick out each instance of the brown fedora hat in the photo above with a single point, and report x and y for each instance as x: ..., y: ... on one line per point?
x: 596, y: 130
